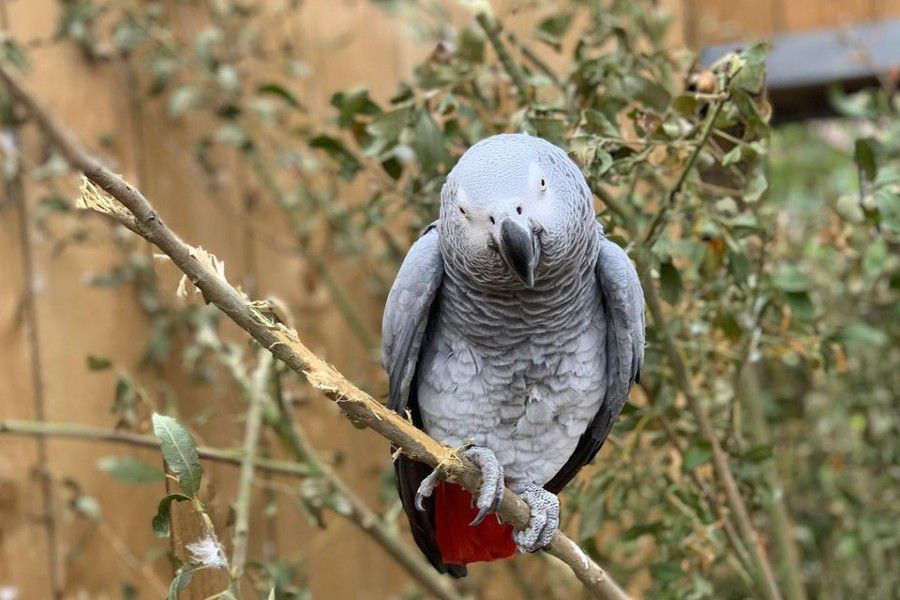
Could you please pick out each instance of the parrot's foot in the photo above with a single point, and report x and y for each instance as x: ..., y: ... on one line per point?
x: 492, y: 485
x: 544, y: 520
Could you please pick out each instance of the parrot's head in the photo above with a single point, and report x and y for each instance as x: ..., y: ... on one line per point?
x: 515, y: 209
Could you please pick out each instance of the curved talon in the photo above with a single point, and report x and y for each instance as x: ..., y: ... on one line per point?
x: 482, y: 513
x: 544, y: 521
x: 492, y: 485
x: 426, y: 489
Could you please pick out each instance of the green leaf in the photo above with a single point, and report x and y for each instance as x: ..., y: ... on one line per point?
x: 859, y: 105
x: 386, y: 129
x: 752, y: 77
x: 276, y: 89
x: 801, y: 305
x: 352, y: 103
x: 864, y: 157
x: 760, y: 453
x: 888, y: 203
x: 128, y: 469
x: 98, y: 363
x: 695, y: 456
x: 788, y: 278
x: 666, y: 572
x: 686, y: 105
x: 729, y: 325
x: 429, y: 144
x: 862, y: 335
x: 603, y: 162
x: 336, y: 149
x: 180, y: 452
x: 875, y: 259
x: 756, y: 187
x: 552, y: 29
x: 549, y: 128
x: 471, y: 45
x: 162, y: 521
x: 596, y: 122
x: 670, y: 283
x: 637, y: 531
x: 733, y: 156
x: 647, y: 91
x: 14, y: 53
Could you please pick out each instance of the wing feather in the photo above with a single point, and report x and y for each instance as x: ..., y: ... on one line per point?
x: 623, y: 308
x: 405, y: 327
x: 406, y: 314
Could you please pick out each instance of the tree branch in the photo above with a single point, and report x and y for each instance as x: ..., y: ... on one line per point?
x: 245, y: 483
x: 492, y: 28
x: 15, y: 190
x: 284, y: 343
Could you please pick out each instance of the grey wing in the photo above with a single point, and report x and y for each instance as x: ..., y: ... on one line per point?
x: 623, y: 309
x: 406, y: 314
x: 405, y: 329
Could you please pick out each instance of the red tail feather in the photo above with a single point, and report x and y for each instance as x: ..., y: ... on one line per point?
x: 461, y: 544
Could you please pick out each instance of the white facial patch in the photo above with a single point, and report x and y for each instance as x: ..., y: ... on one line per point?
x: 537, y: 180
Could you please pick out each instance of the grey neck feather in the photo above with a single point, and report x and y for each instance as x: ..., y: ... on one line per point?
x: 503, y: 315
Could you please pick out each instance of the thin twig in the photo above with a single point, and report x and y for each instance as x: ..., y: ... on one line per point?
x: 534, y: 59
x: 284, y: 343
x: 655, y: 227
x: 492, y: 29
x: 15, y: 191
x: 42, y: 429
x: 613, y: 203
x: 245, y: 483
x: 782, y: 528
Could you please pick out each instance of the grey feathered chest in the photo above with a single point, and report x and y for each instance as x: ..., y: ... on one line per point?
x: 519, y: 373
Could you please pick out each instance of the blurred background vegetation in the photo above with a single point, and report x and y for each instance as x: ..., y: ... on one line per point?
x: 305, y: 146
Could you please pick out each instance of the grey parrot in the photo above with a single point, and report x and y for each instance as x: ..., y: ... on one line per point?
x: 514, y: 329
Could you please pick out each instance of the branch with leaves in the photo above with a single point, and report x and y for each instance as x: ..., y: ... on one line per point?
x: 138, y: 215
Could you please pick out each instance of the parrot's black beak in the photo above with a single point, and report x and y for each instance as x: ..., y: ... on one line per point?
x: 521, y: 250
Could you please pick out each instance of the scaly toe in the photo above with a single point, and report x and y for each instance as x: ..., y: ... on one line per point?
x: 544, y: 520
x: 492, y: 486
x: 426, y: 489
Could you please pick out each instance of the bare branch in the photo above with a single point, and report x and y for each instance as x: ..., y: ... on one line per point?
x: 284, y: 343
x: 492, y: 29
x: 245, y: 483
x: 96, y: 434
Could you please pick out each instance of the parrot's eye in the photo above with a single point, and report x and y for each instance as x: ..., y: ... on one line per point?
x: 543, y: 184
x: 462, y: 210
